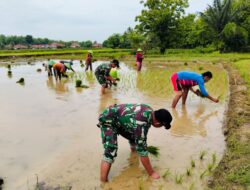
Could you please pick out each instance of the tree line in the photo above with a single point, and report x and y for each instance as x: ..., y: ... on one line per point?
x: 162, y: 24
x: 8, y: 42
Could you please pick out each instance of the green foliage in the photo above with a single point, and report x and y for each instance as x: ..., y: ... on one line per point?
x: 241, y: 175
x: 160, y: 18
x: 218, y: 15
x: 235, y: 37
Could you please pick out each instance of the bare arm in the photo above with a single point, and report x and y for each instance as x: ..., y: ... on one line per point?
x: 216, y: 100
x: 148, y: 167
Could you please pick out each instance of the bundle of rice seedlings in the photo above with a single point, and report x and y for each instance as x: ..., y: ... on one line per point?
x: 9, y: 72
x: 78, y: 83
x: 9, y: 66
x: 39, y: 70
x: 153, y: 150
x: 21, y: 81
x: 186, y: 64
x: 84, y: 86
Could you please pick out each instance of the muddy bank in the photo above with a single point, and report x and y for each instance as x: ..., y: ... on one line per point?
x: 233, y: 170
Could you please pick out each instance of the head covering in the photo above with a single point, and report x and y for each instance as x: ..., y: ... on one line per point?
x: 90, y: 51
x: 139, y: 49
x: 164, y: 117
x: 116, y: 63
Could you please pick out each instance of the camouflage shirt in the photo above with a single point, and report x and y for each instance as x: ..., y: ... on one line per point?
x: 103, y: 69
x: 132, y: 121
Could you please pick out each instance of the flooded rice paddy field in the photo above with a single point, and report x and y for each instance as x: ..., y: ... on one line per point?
x: 49, y: 134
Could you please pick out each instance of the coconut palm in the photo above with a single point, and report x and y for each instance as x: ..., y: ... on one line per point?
x: 218, y: 15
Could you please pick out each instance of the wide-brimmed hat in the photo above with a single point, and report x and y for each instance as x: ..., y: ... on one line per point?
x: 90, y: 51
x: 139, y: 49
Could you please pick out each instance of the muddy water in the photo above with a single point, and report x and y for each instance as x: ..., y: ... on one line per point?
x: 49, y: 134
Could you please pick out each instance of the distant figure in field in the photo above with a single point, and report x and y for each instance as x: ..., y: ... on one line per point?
x: 88, y: 61
x: 131, y: 121
x: 102, y: 74
x: 184, y: 81
x: 139, y: 58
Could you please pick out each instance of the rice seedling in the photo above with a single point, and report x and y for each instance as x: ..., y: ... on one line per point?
x: 9, y: 66
x: 9, y: 72
x: 214, y: 158
x: 210, y: 167
x: 39, y: 70
x: 166, y: 174
x: 21, y: 81
x: 193, y: 163
x: 191, y: 187
x: 201, y: 68
x: 203, y: 174
x: 202, y: 154
x: 179, y: 178
x: 189, y: 172
x: 153, y: 150
x: 186, y: 64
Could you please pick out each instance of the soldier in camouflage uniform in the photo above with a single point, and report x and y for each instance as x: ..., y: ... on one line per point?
x: 132, y: 121
x: 103, y: 76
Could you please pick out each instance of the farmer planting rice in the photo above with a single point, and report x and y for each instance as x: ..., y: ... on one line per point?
x: 68, y: 65
x: 59, y: 70
x: 102, y: 74
x: 139, y: 58
x: 132, y: 121
x: 184, y: 81
x: 50, y: 66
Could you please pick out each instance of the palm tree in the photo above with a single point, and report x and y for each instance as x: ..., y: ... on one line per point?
x: 218, y: 15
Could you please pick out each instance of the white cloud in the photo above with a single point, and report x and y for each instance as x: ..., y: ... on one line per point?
x: 73, y: 19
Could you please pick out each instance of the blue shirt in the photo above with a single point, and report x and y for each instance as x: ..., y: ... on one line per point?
x: 198, y: 78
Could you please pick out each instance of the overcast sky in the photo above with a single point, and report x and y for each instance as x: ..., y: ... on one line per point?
x: 73, y: 19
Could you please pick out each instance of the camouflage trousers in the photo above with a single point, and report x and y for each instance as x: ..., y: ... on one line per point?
x: 101, y: 79
x: 109, y: 140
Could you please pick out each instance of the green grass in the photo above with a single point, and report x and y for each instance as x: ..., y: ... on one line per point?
x: 243, y: 67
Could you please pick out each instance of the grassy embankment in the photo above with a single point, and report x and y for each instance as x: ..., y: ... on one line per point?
x: 233, y: 172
